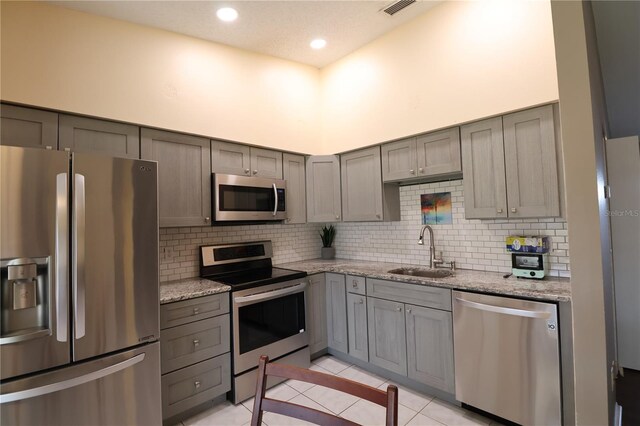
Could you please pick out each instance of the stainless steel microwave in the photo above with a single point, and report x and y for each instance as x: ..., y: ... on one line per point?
x: 243, y: 198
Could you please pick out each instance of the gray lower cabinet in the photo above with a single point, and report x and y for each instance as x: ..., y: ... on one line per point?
x: 81, y: 134
x: 323, y: 188
x: 336, y: 312
x: 195, y: 355
x: 317, y: 313
x: 28, y: 128
x: 293, y: 172
x: 236, y: 159
x: 387, y: 338
x: 357, y: 326
x: 364, y: 197
x: 184, y: 176
x: 430, y: 347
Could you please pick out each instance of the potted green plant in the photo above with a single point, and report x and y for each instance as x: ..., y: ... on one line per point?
x: 327, y: 234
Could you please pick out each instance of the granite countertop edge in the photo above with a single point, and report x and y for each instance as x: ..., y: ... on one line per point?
x: 189, y: 288
x: 550, y: 289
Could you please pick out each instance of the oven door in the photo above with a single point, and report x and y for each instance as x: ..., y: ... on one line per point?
x: 242, y: 198
x: 268, y: 320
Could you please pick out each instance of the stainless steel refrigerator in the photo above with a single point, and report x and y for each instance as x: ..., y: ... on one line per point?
x: 79, y: 296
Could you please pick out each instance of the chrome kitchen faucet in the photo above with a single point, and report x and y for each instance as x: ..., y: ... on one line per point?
x: 434, y: 261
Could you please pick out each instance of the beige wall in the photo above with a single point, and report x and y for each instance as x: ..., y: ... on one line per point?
x: 583, y: 117
x: 68, y: 60
x: 459, y: 62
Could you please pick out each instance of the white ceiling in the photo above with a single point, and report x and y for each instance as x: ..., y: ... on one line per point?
x: 277, y: 28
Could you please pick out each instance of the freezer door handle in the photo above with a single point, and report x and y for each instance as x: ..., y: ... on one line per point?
x: 62, y: 257
x: 78, y: 255
x: 503, y: 310
x: 72, y: 382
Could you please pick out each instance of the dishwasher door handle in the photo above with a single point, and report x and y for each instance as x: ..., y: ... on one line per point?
x: 504, y: 310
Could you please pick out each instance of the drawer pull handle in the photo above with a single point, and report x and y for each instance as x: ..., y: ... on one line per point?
x: 361, y: 302
x: 408, y: 311
x: 399, y: 309
x: 196, y: 311
x: 355, y: 284
x: 196, y: 342
x: 196, y: 384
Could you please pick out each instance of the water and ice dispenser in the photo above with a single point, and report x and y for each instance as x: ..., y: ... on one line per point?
x: 25, y: 298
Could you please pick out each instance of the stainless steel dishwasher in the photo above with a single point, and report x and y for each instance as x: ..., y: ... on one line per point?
x: 507, y: 357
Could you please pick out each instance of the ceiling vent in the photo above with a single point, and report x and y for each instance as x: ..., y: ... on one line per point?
x: 397, y: 6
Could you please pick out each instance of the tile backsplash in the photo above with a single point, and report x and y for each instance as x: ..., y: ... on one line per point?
x: 179, y: 246
x: 473, y: 244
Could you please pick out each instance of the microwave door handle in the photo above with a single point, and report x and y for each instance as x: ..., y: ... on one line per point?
x: 267, y: 295
x: 275, y: 193
x: 78, y: 256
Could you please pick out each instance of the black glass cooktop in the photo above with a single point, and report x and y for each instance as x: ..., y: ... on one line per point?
x: 256, y: 277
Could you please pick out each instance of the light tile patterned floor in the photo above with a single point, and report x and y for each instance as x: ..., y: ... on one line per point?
x: 415, y: 409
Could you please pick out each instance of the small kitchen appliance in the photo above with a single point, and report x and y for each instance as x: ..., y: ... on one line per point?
x: 248, y: 199
x: 529, y: 256
x: 530, y: 265
x: 268, y: 309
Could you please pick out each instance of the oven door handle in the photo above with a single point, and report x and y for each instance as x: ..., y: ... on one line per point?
x: 268, y: 295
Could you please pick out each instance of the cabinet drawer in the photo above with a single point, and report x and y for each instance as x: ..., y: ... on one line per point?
x: 194, y: 385
x: 186, y: 311
x: 416, y: 294
x: 191, y: 343
x: 356, y: 284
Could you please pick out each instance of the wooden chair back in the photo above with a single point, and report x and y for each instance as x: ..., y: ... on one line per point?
x: 388, y: 399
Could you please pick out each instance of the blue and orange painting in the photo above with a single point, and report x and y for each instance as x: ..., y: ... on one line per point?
x: 436, y: 208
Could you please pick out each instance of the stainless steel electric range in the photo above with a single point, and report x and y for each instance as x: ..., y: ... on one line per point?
x: 268, y: 309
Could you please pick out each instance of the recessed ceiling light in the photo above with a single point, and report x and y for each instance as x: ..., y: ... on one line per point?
x: 227, y: 14
x: 318, y: 43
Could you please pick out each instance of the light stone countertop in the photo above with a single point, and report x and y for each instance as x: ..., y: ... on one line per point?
x: 189, y: 288
x: 551, y: 288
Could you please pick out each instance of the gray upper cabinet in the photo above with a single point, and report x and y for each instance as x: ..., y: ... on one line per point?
x: 511, y: 166
x: 361, y: 185
x: 29, y: 128
x: 296, y: 199
x: 336, y: 312
x: 317, y: 316
x: 357, y: 326
x: 266, y: 163
x: 236, y: 159
x: 387, y: 338
x: 80, y: 134
x: 485, y: 193
x: 439, y: 153
x: 184, y: 176
x: 230, y: 158
x: 399, y: 161
x: 422, y: 158
x: 531, y: 164
x: 430, y: 347
x: 323, y: 188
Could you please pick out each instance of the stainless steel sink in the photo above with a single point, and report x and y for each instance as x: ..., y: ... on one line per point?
x: 419, y: 272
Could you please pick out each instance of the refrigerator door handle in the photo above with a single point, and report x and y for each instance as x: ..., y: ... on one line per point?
x: 62, y: 257
x: 78, y: 255
x: 72, y: 382
x: 503, y: 310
